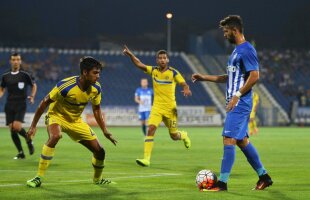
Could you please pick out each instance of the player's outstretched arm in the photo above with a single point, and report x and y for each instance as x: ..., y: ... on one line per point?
x: 134, y: 59
x: 40, y: 110
x: 101, y: 122
x: 211, y: 78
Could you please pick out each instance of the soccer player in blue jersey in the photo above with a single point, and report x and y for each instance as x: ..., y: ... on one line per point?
x: 143, y: 97
x: 66, y: 103
x: 242, y: 74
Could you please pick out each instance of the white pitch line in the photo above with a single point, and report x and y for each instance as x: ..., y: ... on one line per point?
x: 78, y: 181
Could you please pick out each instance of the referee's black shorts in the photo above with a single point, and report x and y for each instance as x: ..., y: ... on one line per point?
x: 15, y: 111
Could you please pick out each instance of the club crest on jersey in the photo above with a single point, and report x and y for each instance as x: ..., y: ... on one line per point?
x: 21, y: 85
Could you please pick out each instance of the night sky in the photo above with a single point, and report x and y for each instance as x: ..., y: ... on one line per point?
x: 279, y: 23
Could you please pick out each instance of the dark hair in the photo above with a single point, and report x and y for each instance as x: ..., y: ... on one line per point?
x: 161, y: 52
x: 232, y: 21
x: 15, y: 54
x: 88, y: 63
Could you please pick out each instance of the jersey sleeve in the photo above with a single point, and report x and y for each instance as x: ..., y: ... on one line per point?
x: 250, y: 60
x: 54, y: 94
x: 96, y: 100
x: 137, y: 92
x: 178, y: 77
x: 2, y: 82
x: 149, y: 69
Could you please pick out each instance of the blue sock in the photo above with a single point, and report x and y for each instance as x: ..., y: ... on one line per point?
x: 253, y: 158
x: 227, y: 162
x: 144, y: 129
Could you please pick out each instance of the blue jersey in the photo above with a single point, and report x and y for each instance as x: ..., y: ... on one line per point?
x: 242, y: 60
x: 145, y: 95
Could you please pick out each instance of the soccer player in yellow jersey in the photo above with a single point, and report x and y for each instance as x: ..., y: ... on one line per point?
x: 252, y: 122
x: 164, y: 106
x: 66, y: 102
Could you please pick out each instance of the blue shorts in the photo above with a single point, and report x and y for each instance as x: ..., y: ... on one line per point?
x: 236, y: 123
x: 144, y: 115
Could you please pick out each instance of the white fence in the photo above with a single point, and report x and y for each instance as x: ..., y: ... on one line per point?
x: 127, y: 116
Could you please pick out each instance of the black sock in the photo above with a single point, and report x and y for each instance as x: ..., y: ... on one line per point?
x: 16, y: 141
x: 144, y: 127
x: 23, y: 133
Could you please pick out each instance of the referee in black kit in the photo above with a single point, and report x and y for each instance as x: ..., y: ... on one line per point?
x: 16, y: 82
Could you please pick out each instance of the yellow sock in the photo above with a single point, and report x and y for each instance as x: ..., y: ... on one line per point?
x: 47, y: 155
x: 148, y: 147
x: 98, y: 167
x: 251, y: 128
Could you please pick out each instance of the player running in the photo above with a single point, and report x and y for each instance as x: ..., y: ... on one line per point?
x: 164, y: 107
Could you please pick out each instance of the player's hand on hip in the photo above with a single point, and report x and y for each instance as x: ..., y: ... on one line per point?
x: 232, y: 103
x: 109, y: 136
x: 31, y: 132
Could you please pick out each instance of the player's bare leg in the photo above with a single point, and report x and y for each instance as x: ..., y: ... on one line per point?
x: 47, y: 154
x: 97, y: 160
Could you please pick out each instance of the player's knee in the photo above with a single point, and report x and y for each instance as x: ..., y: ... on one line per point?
x: 54, y: 138
x: 151, y: 130
x: 16, y: 127
x: 100, y: 153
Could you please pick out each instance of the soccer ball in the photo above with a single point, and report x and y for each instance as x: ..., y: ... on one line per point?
x: 205, y: 179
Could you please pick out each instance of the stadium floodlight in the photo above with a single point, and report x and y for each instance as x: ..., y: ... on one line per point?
x: 169, y: 17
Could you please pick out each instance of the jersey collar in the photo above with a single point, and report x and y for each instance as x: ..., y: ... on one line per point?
x: 14, y: 73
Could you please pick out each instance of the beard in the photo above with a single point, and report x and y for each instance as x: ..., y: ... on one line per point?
x: 231, y: 39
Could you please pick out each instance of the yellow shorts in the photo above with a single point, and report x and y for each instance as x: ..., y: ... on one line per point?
x: 170, y: 118
x: 76, y: 130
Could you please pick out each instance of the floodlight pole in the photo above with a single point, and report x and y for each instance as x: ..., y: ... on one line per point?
x: 169, y: 17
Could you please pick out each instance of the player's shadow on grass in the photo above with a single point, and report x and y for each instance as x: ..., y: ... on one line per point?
x: 273, y: 194
x: 95, y: 192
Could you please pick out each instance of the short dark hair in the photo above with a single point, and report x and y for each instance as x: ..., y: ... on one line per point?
x: 232, y: 21
x: 15, y: 54
x: 161, y: 52
x: 88, y: 63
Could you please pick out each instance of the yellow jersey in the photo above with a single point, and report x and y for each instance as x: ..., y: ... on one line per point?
x: 164, y: 86
x: 70, y: 100
x: 255, y: 101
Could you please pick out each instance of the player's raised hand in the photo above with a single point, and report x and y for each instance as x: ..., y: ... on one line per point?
x: 109, y: 136
x: 31, y: 132
x: 126, y: 51
x: 197, y: 77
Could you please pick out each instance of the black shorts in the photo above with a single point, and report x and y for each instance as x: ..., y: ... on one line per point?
x: 14, y: 112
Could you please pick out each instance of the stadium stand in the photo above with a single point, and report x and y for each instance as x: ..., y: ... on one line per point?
x: 286, y: 74
x: 119, y: 78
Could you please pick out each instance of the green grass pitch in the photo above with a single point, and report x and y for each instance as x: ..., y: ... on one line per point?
x: 284, y: 151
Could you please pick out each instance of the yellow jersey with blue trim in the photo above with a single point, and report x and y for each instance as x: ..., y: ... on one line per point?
x: 164, y: 86
x: 70, y: 100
